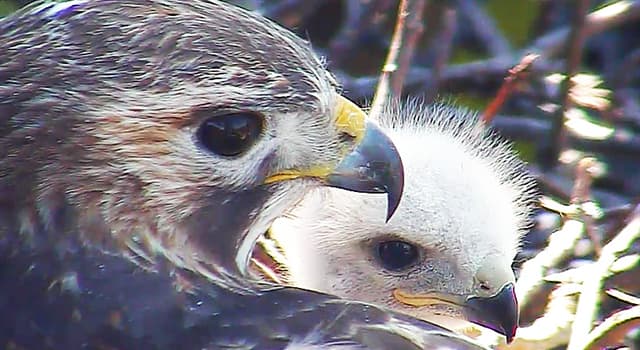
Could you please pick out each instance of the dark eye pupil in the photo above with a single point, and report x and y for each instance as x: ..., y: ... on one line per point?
x: 397, y: 255
x: 230, y: 134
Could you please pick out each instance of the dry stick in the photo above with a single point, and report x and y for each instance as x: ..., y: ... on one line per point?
x: 561, y: 243
x: 552, y: 329
x: 596, y: 22
x: 582, y: 195
x: 575, y: 45
x: 442, y: 47
x: 413, y: 29
x: 628, y: 317
x: 384, y: 92
x: 291, y: 12
x: 508, y: 86
x: 494, y: 68
x: 592, y: 287
x: 361, y: 16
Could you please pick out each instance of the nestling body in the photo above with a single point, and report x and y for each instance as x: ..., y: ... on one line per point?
x: 452, y: 241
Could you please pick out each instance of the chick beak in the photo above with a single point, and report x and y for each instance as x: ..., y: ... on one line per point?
x: 498, y: 312
x: 374, y: 166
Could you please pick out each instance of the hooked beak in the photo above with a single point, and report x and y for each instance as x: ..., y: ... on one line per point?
x: 374, y: 166
x: 499, y: 312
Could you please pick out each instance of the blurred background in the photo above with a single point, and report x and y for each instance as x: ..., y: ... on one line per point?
x: 580, y: 136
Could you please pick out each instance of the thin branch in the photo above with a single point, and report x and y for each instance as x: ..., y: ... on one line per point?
x: 291, y: 13
x: 596, y: 22
x: 442, y: 47
x: 553, y: 328
x: 592, y: 287
x: 508, y: 86
x: 413, y: 31
x: 384, y: 91
x: 361, y: 16
x: 627, y: 298
x: 575, y: 46
x: 489, y: 71
x: 582, y: 194
x: 560, y: 247
x: 627, y: 319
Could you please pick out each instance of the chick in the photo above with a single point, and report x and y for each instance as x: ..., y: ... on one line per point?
x: 446, y: 255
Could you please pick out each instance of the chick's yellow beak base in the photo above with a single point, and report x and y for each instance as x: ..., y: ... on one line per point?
x: 422, y: 300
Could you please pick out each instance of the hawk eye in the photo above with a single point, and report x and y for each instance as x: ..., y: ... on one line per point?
x: 396, y: 255
x: 230, y: 134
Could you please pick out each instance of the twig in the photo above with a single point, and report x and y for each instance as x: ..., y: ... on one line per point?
x: 627, y: 298
x: 575, y: 45
x: 291, y: 12
x: 592, y: 287
x: 561, y: 244
x: 553, y: 328
x: 484, y: 27
x: 627, y: 319
x: 442, y: 47
x: 486, y: 72
x: 400, y: 37
x: 414, y: 29
x: 508, y: 86
x: 361, y: 16
x: 596, y: 22
x: 478, y: 75
x: 582, y: 195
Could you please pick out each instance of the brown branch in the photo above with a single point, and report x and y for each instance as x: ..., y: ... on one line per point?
x: 413, y: 29
x: 596, y: 22
x: 291, y: 13
x: 616, y: 325
x: 489, y: 71
x: 442, y: 47
x: 581, y: 195
x: 398, y: 43
x: 592, y: 287
x: 508, y: 86
x: 575, y: 46
x: 361, y: 16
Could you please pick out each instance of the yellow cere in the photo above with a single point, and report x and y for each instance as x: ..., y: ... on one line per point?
x: 317, y: 172
x: 349, y: 119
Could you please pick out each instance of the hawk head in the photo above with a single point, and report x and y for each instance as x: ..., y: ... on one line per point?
x: 172, y: 128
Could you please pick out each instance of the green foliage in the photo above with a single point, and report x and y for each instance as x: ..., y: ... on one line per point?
x: 514, y: 18
x: 7, y: 7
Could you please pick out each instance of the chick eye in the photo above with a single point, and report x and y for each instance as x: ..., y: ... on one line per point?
x: 396, y: 255
x: 230, y: 134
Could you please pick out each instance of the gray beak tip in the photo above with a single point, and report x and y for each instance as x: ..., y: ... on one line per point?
x: 499, y: 312
x: 374, y: 166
